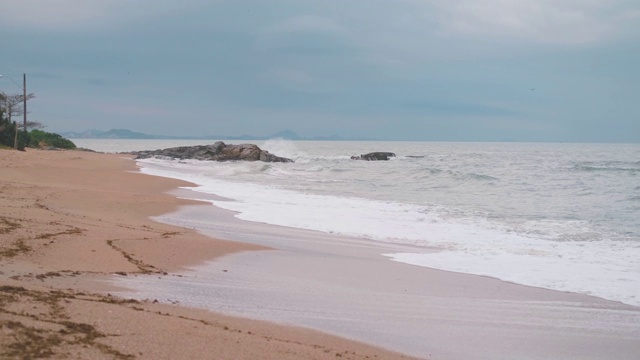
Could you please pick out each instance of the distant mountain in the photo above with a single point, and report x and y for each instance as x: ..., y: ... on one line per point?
x: 286, y: 134
x: 87, y: 134
x: 125, y: 134
x: 111, y: 134
x: 128, y: 134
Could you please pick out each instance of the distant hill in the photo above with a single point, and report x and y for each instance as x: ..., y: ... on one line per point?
x: 286, y: 134
x: 111, y: 134
x: 128, y: 134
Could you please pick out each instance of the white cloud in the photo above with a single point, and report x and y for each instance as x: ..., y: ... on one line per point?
x: 543, y: 21
x: 52, y: 13
x: 82, y: 14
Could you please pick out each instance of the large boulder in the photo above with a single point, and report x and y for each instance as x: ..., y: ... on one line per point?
x: 374, y: 156
x: 216, y: 152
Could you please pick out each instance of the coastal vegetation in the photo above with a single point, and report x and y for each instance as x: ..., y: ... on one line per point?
x: 39, y: 138
x: 28, y: 134
x: 7, y: 130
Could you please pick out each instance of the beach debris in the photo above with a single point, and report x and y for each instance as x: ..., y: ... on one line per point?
x: 218, y: 151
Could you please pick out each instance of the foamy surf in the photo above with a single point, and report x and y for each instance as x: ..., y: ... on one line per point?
x: 495, y: 236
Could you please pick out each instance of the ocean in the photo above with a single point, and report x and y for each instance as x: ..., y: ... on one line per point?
x: 552, y: 215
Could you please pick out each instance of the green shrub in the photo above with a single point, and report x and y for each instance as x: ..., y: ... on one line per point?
x: 7, y: 131
x: 39, y: 138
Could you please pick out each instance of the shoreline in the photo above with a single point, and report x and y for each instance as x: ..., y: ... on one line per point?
x: 70, y: 220
x: 544, y: 241
x: 355, y: 292
x: 210, y: 198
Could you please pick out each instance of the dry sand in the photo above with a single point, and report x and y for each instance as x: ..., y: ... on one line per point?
x: 70, y: 219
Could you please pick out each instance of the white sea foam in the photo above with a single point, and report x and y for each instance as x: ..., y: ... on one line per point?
x: 558, y: 216
x: 560, y: 254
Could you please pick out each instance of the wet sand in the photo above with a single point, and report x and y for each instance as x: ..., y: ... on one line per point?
x: 345, y: 286
x: 72, y: 221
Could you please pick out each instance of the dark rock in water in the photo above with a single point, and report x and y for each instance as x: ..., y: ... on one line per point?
x: 374, y: 156
x: 216, y: 152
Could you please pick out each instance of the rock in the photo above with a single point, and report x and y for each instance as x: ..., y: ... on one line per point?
x: 85, y: 149
x: 374, y: 156
x: 216, y: 152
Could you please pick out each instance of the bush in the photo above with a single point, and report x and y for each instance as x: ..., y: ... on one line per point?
x: 7, y: 131
x: 39, y: 138
x: 23, y: 140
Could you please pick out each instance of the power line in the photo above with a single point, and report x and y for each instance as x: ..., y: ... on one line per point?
x: 14, y: 82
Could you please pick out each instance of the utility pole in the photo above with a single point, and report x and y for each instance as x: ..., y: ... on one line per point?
x: 15, y: 137
x: 24, y: 98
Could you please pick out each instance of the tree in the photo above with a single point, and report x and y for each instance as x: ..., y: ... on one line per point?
x: 2, y: 123
x: 10, y: 134
x: 7, y: 130
x: 13, y: 104
x: 35, y: 125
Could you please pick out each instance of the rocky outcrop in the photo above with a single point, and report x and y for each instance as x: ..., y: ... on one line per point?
x: 216, y: 152
x: 374, y: 156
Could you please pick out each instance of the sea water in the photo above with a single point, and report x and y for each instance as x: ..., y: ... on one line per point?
x: 552, y: 215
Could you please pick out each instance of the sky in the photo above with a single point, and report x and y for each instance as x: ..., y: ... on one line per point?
x: 455, y: 70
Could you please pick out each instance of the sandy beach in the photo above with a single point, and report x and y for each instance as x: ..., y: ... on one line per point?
x: 70, y: 221
x: 98, y: 260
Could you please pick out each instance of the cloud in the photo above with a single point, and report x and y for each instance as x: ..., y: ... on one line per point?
x: 326, y: 65
x: 290, y: 78
x: 304, y: 35
x: 96, y: 82
x: 83, y: 14
x: 53, y: 13
x: 44, y: 75
x: 307, y: 24
x: 542, y: 21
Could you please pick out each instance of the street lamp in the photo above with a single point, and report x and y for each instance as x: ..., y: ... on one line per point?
x: 13, y: 81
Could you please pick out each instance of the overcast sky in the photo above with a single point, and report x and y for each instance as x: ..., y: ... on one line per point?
x: 470, y: 70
